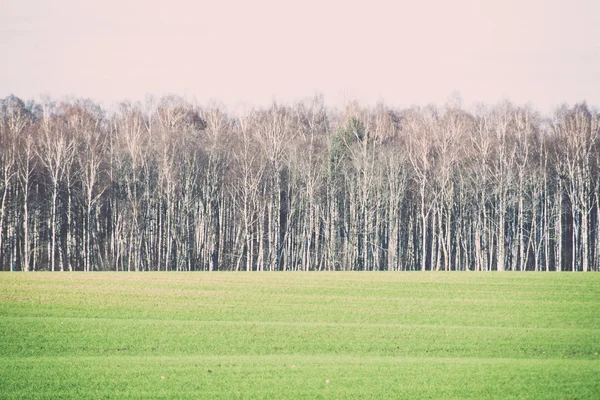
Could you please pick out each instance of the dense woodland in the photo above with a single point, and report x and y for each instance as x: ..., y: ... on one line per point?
x: 167, y: 185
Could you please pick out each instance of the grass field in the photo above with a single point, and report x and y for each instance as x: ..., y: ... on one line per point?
x: 300, y: 335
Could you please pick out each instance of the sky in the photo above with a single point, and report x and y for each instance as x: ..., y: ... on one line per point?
x: 541, y: 52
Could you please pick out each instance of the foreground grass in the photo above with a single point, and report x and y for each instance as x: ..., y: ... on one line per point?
x: 298, y: 335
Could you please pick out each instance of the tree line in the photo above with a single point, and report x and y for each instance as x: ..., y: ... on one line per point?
x: 168, y: 185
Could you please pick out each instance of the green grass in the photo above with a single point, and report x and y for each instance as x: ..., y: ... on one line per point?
x: 300, y: 335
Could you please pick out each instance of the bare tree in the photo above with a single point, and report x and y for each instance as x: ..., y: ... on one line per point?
x: 579, y: 130
x: 14, y: 120
x: 55, y: 153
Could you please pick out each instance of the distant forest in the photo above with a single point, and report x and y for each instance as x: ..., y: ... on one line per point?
x: 168, y: 185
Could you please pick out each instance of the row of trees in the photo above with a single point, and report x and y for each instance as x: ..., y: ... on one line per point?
x: 166, y: 185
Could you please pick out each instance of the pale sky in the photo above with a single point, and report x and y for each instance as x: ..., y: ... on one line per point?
x: 545, y: 52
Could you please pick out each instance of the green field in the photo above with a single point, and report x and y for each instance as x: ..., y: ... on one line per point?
x: 300, y: 335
